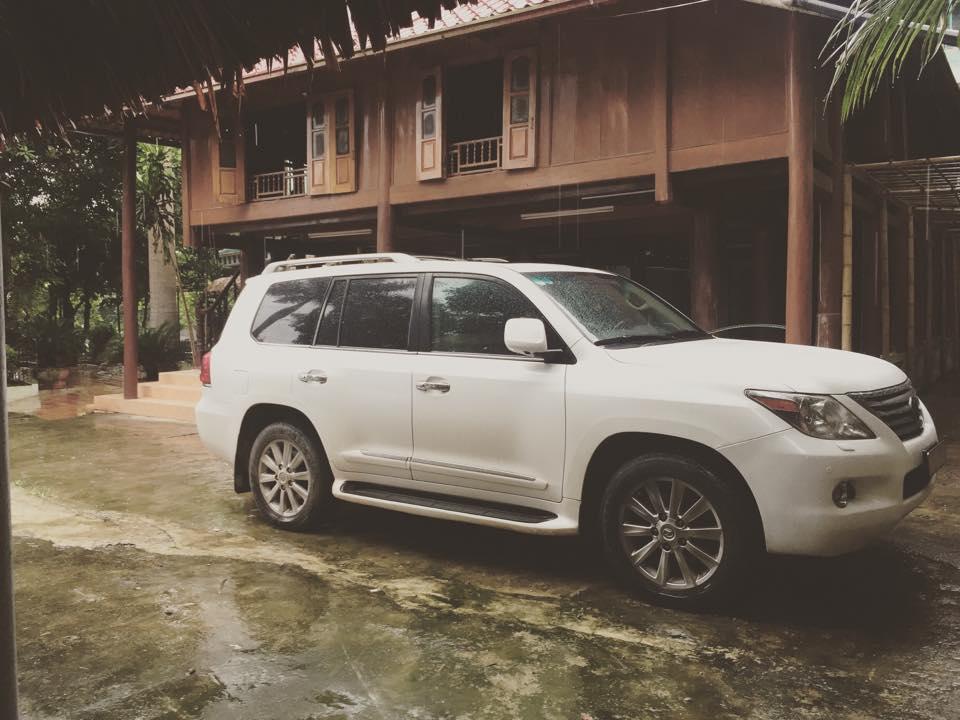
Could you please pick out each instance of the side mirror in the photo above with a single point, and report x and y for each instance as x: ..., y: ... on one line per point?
x: 525, y: 336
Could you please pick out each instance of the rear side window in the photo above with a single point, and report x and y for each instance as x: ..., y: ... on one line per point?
x: 467, y: 315
x: 289, y: 312
x: 377, y: 312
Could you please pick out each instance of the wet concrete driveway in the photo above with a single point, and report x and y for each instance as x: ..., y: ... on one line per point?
x: 147, y: 589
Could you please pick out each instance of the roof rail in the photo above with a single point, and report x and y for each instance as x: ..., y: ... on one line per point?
x: 357, y: 259
x: 490, y: 260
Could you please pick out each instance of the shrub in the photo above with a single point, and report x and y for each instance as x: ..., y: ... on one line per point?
x: 100, y: 346
x: 159, y: 349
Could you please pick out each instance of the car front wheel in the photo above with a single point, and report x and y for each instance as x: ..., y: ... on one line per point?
x: 289, y: 476
x: 675, y: 531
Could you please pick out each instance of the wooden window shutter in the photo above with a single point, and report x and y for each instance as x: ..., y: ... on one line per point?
x: 228, y: 156
x: 520, y: 109
x: 430, y: 126
x: 317, y: 145
x: 343, y: 142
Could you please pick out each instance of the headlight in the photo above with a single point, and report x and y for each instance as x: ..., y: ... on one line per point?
x: 818, y: 416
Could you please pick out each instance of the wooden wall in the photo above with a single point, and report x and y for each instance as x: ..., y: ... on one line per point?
x: 597, y: 102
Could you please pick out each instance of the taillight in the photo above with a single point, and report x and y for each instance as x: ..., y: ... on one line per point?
x: 205, y: 369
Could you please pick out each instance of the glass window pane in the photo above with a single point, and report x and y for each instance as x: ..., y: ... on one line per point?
x: 428, y: 94
x: 330, y: 318
x: 289, y: 312
x: 377, y: 313
x: 468, y: 315
x: 343, y: 141
x: 319, y: 115
x: 519, y: 109
x: 319, y: 145
x: 520, y: 74
x: 343, y: 112
x: 429, y: 126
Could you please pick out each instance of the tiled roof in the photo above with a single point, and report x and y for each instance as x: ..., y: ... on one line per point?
x: 460, y: 16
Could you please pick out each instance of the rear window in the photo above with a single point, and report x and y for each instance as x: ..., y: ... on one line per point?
x: 377, y: 313
x: 289, y: 312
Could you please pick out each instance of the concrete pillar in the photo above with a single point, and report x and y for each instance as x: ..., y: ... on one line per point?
x: 799, y: 303
x: 704, y: 272
x: 162, y: 280
x: 127, y: 260
x: 911, y: 294
x: 884, y: 269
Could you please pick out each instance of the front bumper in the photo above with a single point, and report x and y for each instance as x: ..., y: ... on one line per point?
x: 792, y: 477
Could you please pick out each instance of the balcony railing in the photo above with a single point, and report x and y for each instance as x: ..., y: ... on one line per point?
x: 281, y: 184
x: 474, y: 156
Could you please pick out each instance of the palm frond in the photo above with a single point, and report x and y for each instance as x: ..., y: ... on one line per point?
x: 873, y: 40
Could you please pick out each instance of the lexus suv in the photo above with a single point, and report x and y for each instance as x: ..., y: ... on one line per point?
x: 557, y: 400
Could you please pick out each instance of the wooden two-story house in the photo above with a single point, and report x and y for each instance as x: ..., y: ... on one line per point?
x: 687, y: 145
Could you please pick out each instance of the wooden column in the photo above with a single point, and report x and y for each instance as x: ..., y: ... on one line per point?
x: 385, y: 171
x: 846, y: 303
x: 8, y: 649
x: 762, y: 269
x: 884, y: 269
x: 185, y: 162
x: 911, y: 294
x: 799, y: 304
x: 704, y: 272
x: 831, y: 243
x: 663, y: 189
x: 930, y: 359
x: 127, y: 260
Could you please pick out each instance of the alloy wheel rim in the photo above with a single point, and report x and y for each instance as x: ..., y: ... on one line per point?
x: 284, y: 478
x: 671, y: 533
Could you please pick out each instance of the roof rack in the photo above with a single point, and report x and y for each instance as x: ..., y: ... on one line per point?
x: 357, y: 259
x: 362, y: 259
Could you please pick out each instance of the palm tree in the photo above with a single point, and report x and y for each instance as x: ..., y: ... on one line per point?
x: 874, y: 39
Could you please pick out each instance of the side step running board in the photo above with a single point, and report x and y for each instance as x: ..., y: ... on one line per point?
x: 451, y: 503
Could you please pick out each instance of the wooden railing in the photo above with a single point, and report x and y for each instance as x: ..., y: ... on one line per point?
x: 474, y: 156
x: 212, y: 312
x: 274, y: 185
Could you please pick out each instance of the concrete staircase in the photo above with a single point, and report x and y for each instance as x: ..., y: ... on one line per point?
x: 173, y: 397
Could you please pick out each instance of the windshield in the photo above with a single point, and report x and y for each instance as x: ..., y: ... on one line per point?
x: 614, y: 310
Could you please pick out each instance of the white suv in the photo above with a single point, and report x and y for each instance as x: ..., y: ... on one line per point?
x: 554, y: 399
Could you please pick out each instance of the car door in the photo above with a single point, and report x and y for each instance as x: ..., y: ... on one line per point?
x: 483, y: 417
x: 355, y: 387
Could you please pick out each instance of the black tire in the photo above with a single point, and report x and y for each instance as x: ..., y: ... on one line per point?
x: 735, y: 550
x: 317, y: 498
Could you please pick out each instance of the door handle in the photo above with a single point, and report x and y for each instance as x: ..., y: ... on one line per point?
x: 312, y: 376
x: 437, y: 384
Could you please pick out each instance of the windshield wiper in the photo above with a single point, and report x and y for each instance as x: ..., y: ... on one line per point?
x: 689, y: 334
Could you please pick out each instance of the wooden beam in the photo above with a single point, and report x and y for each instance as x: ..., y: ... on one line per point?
x: 661, y: 109
x: 185, y: 180
x: 799, y: 304
x: 385, y: 228
x: 128, y: 260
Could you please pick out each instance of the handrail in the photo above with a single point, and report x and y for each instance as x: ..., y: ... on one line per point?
x: 290, y: 182
x: 216, y: 309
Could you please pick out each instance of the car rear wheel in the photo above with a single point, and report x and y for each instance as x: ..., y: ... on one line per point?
x: 289, y: 476
x: 675, y: 531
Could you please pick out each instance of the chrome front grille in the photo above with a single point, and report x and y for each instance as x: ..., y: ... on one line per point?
x: 897, y: 406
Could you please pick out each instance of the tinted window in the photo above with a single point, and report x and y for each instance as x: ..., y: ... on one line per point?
x: 377, y: 313
x: 330, y: 318
x: 468, y: 315
x: 289, y: 311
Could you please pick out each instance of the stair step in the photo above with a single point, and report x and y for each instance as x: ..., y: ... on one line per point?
x: 189, y: 378
x: 450, y: 503
x: 167, y: 391
x: 146, y: 407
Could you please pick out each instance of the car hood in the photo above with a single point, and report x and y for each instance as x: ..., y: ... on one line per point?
x: 766, y: 366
